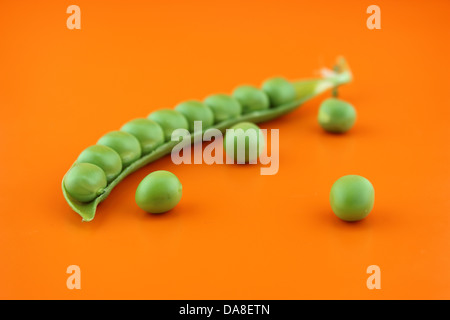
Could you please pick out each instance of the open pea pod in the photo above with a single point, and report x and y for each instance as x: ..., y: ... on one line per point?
x: 305, y: 90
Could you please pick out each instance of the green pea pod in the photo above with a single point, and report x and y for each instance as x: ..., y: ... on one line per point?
x: 305, y: 90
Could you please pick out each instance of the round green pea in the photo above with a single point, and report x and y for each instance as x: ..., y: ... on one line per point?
x: 124, y: 143
x: 352, y: 197
x: 158, y: 192
x: 336, y: 116
x: 105, y: 158
x: 224, y: 107
x: 148, y: 132
x: 244, y: 142
x: 251, y: 98
x: 85, y: 181
x: 279, y: 90
x: 169, y: 120
x: 196, y: 111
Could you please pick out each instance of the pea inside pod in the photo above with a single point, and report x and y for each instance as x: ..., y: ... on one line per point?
x: 169, y: 120
x: 279, y: 91
x: 148, y: 132
x: 251, y: 98
x: 224, y: 107
x: 105, y: 158
x: 85, y: 181
x: 196, y: 111
x: 124, y: 143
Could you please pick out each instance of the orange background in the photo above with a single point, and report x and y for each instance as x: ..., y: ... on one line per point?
x: 235, y: 234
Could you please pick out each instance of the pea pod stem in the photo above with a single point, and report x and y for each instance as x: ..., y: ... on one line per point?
x: 306, y: 90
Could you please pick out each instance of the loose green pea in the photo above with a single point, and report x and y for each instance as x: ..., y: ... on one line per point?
x: 336, y: 116
x: 279, y: 90
x: 105, y: 158
x: 148, y: 132
x: 251, y: 98
x: 85, y: 181
x: 224, y: 107
x: 352, y: 197
x: 196, y: 111
x: 158, y: 192
x: 169, y: 120
x: 244, y: 142
x: 124, y: 143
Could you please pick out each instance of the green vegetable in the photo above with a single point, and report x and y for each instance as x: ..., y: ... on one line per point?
x: 105, y: 158
x: 124, y: 143
x: 196, y: 111
x: 279, y: 91
x: 307, y: 88
x: 148, y: 132
x: 244, y: 142
x: 352, y: 197
x: 158, y: 192
x: 224, y: 107
x: 85, y: 181
x: 169, y: 120
x: 336, y: 116
x: 251, y: 98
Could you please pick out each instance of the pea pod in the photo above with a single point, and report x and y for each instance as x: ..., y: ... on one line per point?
x: 304, y: 91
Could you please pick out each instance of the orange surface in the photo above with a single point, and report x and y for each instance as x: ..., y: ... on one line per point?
x: 235, y: 234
